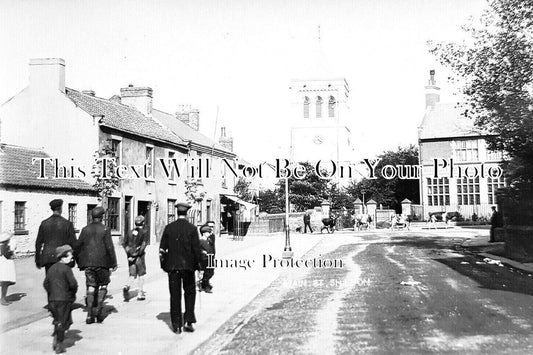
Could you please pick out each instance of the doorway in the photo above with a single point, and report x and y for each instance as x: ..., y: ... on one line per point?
x: 127, y: 214
x: 143, y: 209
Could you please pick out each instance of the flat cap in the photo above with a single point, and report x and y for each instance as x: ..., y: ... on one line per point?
x: 182, y: 206
x: 63, y: 250
x: 205, y: 228
x: 55, y: 204
x: 97, y: 212
x: 139, y: 220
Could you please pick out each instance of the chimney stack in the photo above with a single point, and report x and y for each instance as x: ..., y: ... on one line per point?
x: 190, y: 117
x: 226, y: 142
x: 137, y: 97
x: 432, y: 91
x: 47, y: 74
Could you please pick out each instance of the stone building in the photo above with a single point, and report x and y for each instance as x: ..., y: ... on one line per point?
x: 72, y: 125
x: 458, y: 172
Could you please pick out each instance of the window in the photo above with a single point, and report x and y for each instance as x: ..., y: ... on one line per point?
x: 438, y: 191
x: 149, y: 161
x: 331, y: 106
x: 72, y: 213
x: 113, y: 210
x: 89, y: 213
x: 493, y: 185
x: 171, y: 166
x: 494, y: 155
x: 318, y: 107
x: 171, y: 210
x: 306, y: 107
x: 20, y: 216
x: 466, y: 150
x: 468, y: 191
x: 117, y: 151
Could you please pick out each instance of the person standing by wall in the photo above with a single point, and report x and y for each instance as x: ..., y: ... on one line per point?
x: 53, y: 232
x: 96, y: 256
x: 496, y: 221
x: 180, y: 256
x: 307, y: 222
x: 8, y: 275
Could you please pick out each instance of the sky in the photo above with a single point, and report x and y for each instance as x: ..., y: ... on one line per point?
x: 233, y: 60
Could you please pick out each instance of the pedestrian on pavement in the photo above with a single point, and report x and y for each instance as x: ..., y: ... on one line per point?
x: 495, y: 222
x: 61, y: 287
x: 207, y: 250
x: 8, y: 275
x: 180, y: 256
x: 53, y: 232
x: 96, y: 256
x: 134, y: 243
x: 307, y: 222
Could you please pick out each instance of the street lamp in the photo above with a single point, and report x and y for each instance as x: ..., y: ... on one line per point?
x: 363, y: 192
x: 287, y: 251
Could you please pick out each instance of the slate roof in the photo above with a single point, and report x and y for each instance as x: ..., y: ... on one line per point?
x: 185, y: 132
x: 17, y: 170
x: 122, y: 117
x: 446, y: 121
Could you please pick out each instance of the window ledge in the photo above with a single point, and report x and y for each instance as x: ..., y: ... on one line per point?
x: 172, y: 183
x: 21, y: 232
x: 149, y: 180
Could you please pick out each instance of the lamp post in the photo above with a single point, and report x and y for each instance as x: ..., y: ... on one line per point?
x: 287, y: 251
x: 363, y: 192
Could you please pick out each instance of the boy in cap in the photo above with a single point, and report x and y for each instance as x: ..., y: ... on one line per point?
x: 207, y: 249
x: 61, y: 287
x: 96, y: 256
x: 53, y: 232
x: 134, y: 244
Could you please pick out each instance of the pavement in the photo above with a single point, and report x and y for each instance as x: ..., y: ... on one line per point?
x: 144, y: 326
x: 481, y: 246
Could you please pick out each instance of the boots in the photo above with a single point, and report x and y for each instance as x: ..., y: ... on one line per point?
x: 102, y: 292
x: 90, y: 303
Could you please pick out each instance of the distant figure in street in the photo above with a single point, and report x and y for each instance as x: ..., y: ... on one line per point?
x: 307, y: 222
x: 134, y: 244
x: 495, y: 222
x: 8, y: 275
x: 207, y: 248
x: 180, y: 256
x: 53, y: 232
x: 96, y: 256
x: 61, y: 287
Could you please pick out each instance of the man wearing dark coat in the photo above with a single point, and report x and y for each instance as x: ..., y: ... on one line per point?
x: 96, y: 256
x: 53, y: 232
x: 307, y: 222
x: 180, y: 256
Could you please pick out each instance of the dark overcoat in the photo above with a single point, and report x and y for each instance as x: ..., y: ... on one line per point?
x: 180, y: 246
x: 95, y: 247
x: 60, y: 283
x: 53, y: 232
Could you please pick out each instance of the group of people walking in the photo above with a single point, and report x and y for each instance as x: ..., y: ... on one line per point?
x: 182, y: 252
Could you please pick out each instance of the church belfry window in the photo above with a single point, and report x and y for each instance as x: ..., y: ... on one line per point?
x: 319, y: 107
x: 306, y: 107
x: 331, y: 106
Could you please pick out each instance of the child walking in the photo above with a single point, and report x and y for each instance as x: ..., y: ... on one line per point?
x: 61, y: 287
x: 135, y: 244
x: 207, y: 247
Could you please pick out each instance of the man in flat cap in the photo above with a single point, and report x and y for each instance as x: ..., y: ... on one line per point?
x: 180, y: 256
x: 134, y: 243
x: 53, y: 232
x: 96, y: 256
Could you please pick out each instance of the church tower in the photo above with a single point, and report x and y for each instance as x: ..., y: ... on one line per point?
x: 320, y: 115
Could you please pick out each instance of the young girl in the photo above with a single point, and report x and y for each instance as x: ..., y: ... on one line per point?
x: 7, y: 266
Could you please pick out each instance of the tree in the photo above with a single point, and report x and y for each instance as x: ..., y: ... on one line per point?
x: 242, y: 189
x: 103, y: 171
x: 271, y: 202
x: 389, y: 192
x: 496, y: 67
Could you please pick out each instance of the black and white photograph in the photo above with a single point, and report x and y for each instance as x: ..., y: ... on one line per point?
x: 266, y: 177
